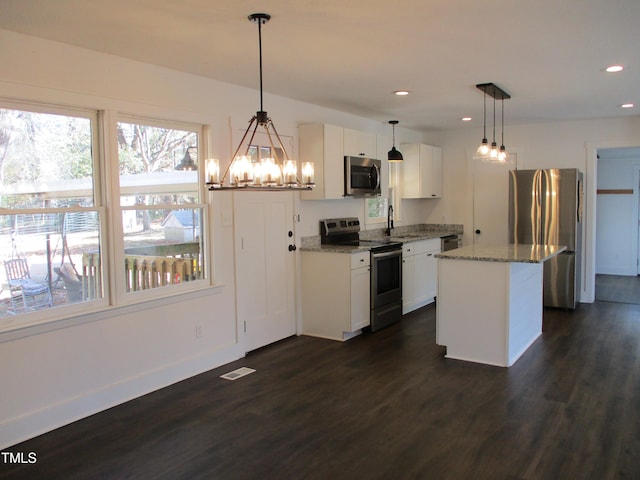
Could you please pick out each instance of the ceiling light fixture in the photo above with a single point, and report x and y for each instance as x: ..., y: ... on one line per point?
x: 276, y: 173
x: 187, y: 162
x: 484, y: 153
x: 401, y: 92
x: 627, y: 105
x: 466, y: 119
x: 394, y: 155
x: 614, y: 68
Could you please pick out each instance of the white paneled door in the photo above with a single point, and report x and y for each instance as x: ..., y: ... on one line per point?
x: 265, y: 266
x: 491, y: 201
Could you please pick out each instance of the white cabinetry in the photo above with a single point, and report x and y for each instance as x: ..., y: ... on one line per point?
x: 419, y: 273
x: 322, y: 145
x: 359, y: 144
x: 335, y: 294
x: 327, y: 145
x: 421, y: 171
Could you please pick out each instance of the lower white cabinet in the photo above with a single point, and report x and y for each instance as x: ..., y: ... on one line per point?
x: 335, y: 294
x: 419, y: 273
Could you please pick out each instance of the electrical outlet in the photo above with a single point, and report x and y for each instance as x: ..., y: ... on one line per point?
x: 198, y: 331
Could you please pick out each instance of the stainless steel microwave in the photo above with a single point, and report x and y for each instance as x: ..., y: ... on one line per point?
x: 361, y: 176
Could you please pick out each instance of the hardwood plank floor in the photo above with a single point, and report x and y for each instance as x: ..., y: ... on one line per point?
x: 618, y: 288
x: 386, y: 405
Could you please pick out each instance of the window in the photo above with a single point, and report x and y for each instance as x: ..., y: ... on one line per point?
x: 53, y: 211
x: 50, y: 212
x: 162, y: 212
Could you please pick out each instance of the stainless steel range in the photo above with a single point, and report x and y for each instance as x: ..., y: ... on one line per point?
x: 386, y: 268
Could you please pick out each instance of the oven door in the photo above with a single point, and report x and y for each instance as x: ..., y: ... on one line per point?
x: 386, y: 276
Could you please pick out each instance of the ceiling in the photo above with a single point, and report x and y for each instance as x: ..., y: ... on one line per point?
x: 549, y: 55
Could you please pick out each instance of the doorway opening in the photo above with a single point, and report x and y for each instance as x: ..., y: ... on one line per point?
x: 617, y: 225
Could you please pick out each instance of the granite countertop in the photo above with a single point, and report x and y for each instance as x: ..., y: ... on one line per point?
x: 520, y: 253
x: 347, y: 249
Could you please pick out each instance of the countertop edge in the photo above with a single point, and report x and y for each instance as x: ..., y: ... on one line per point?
x: 503, y: 253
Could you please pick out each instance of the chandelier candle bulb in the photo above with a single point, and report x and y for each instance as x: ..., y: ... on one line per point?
x: 308, y: 173
x: 290, y: 172
x: 271, y: 174
x: 213, y: 171
x: 242, y: 170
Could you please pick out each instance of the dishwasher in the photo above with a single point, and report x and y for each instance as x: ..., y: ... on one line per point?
x: 450, y: 242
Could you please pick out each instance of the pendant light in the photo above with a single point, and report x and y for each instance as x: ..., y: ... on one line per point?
x: 187, y: 162
x: 271, y: 174
x: 502, y: 155
x: 493, y: 151
x: 482, y: 151
x: 492, y: 155
x: 394, y: 155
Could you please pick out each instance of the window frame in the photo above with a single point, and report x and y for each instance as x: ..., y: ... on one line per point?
x: 106, y: 205
x: 47, y: 315
x: 120, y: 296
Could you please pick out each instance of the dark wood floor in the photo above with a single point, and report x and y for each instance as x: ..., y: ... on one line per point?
x: 386, y: 405
x: 618, y: 288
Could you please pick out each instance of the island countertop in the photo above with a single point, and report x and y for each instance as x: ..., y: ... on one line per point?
x: 521, y: 253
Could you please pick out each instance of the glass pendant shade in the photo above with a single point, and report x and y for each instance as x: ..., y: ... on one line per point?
x: 482, y: 151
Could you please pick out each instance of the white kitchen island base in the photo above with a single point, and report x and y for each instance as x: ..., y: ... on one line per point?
x: 489, y: 309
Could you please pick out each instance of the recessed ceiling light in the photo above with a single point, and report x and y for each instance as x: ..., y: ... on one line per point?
x: 627, y: 105
x: 401, y: 92
x: 466, y: 119
x: 614, y: 68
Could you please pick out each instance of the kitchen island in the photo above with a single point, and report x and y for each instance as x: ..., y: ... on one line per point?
x: 489, y: 304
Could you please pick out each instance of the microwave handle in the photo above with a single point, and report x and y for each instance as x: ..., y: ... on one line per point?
x: 378, y: 179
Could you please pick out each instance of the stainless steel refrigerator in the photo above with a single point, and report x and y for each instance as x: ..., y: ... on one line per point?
x: 545, y: 207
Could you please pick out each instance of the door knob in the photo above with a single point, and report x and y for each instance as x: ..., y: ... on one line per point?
x: 478, y: 232
x: 292, y: 248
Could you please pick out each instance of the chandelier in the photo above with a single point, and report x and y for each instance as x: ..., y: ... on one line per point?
x: 484, y: 152
x: 278, y: 172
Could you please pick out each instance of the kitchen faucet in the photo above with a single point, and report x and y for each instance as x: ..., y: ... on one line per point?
x: 390, y: 220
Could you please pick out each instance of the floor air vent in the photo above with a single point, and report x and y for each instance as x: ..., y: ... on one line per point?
x: 235, y: 374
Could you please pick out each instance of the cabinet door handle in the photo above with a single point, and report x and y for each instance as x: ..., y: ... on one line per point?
x: 292, y: 248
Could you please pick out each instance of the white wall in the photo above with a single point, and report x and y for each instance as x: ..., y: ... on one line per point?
x: 74, y: 367
x: 548, y: 145
x: 617, y: 220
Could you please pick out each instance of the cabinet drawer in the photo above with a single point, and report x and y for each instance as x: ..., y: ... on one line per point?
x: 361, y: 259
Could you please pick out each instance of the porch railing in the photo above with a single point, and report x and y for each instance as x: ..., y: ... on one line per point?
x: 147, y: 267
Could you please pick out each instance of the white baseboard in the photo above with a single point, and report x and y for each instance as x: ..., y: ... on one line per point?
x: 18, y: 429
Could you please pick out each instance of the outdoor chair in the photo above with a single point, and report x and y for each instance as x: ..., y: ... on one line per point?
x: 23, y: 290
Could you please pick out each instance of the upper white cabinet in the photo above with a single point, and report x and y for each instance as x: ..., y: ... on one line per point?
x: 327, y: 145
x: 421, y: 171
x: 359, y: 144
x: 322, y: 145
